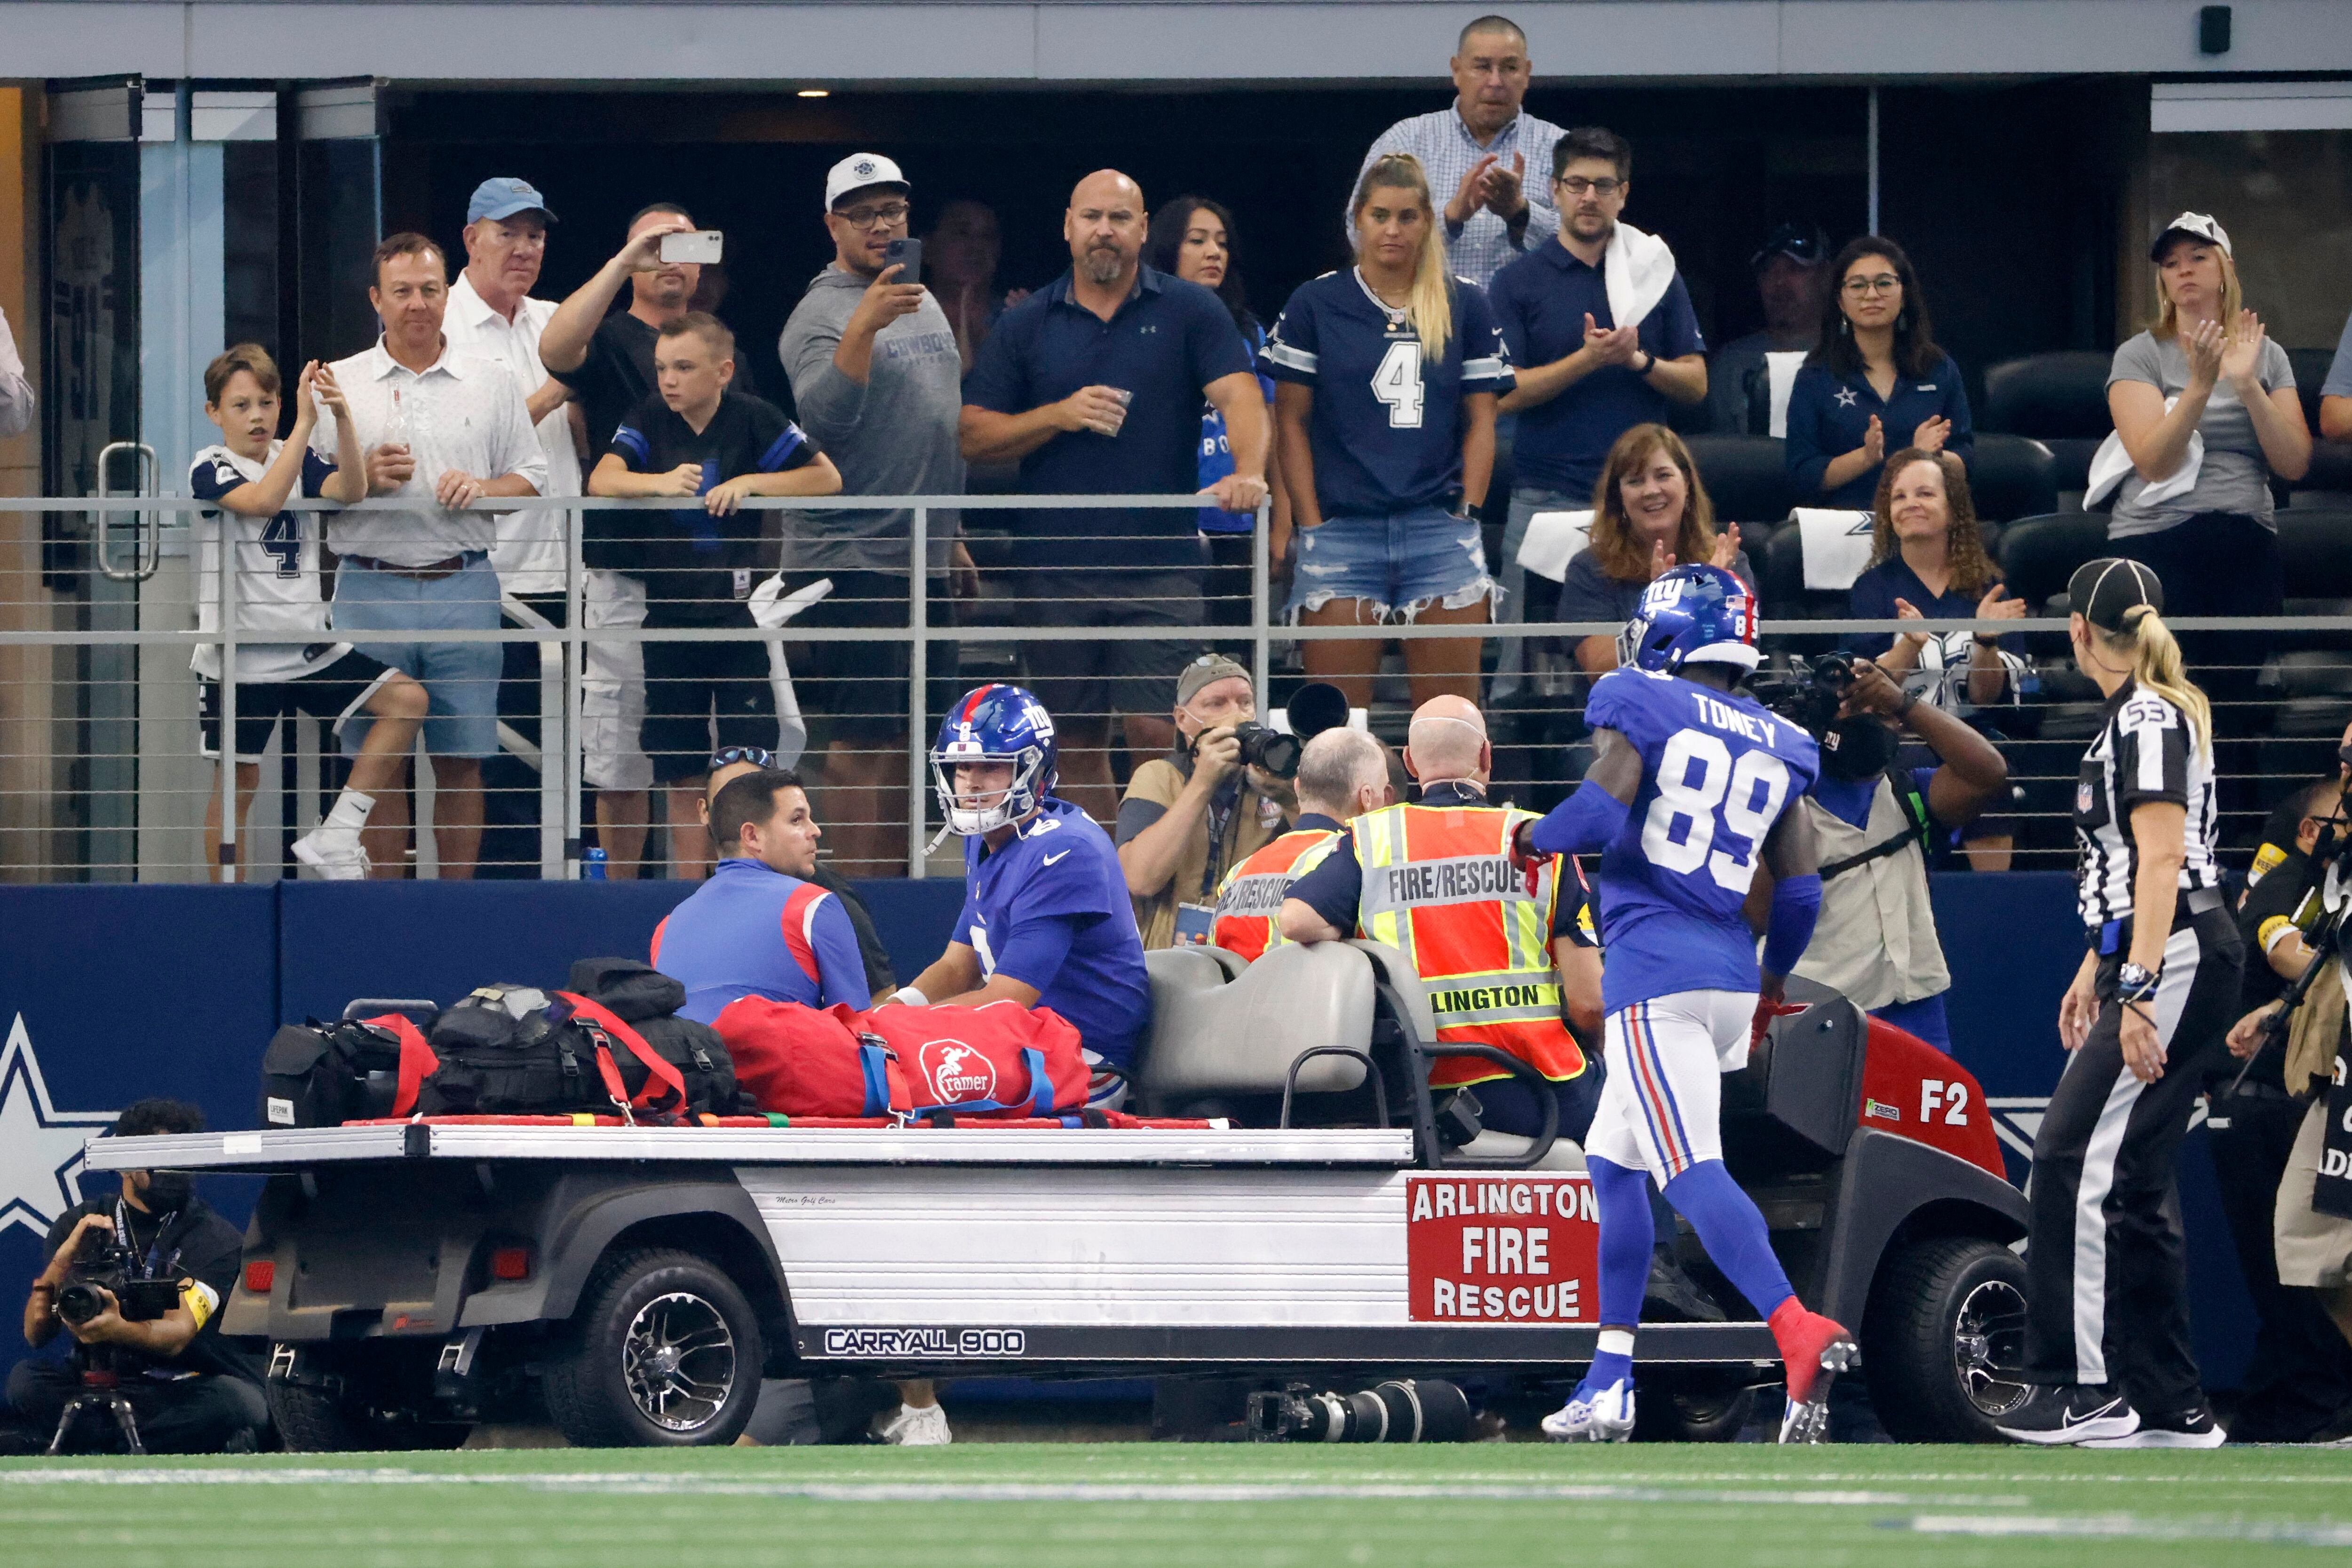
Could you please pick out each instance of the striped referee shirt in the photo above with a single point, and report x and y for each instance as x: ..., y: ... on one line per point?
x: 2145, y: 751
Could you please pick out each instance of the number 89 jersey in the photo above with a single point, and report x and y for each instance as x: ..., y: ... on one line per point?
x: 1717, y: 771
x: 1386, y: 432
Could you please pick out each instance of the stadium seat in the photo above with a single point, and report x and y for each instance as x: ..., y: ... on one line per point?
x: 1747, y: 478
x: 2331, y: 461
x: 2012, y: 476
x: 2059, y: 400
x: 1783, y: 590
x: 2038, y: 554
x: 1217, y: 1034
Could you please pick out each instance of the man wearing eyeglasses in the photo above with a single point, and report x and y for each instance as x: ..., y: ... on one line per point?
x: 1601, y: 328
x: 877, y: 380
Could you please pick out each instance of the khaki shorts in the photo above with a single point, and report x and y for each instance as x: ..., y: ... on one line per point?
x: 2315, y: 1249
x: 613, y: 687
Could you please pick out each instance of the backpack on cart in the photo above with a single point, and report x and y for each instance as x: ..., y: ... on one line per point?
x: 357, y: 1068
x: 645, y: 998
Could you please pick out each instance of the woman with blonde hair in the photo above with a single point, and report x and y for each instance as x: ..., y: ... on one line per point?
x: 2106, y: 1335
x: 1649, y: 512
x: 1386, y: 377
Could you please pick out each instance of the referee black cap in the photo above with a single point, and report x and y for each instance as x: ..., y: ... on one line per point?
x: 2103, y: 592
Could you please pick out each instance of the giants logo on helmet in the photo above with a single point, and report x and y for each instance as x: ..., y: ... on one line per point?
x: 956, y: 1072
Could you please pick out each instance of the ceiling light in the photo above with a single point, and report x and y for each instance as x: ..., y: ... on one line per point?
x: 815, y: 92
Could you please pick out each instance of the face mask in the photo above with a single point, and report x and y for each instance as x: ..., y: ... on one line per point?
x: 1857, y: 747
x: 168, y: 1191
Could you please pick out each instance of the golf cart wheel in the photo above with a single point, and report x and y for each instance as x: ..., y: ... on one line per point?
x: 1692, y: 1409
x: 312, y: 1419
x: 1944, y: 1340
x: 664, y: 1352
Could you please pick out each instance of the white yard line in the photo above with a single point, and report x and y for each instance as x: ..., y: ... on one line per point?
x: 2126, y: 1526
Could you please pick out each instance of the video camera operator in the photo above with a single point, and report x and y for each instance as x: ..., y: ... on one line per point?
x: 1205, y: 808
x: 1876, y: 940
x: 191, y: 1390
x: 2298, y: 1382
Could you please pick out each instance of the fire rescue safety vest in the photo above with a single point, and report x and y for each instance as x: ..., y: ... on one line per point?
x: 1439, y: 887
x: 1249, y: 906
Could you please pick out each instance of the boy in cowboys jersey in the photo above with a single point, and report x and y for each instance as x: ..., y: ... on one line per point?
x: 1690, y: 790
x: 290, y: 665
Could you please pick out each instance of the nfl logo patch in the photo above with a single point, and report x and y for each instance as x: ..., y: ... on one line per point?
x: 2082, y: 798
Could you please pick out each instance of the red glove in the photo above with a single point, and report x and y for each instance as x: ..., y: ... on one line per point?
x: 1529, y: 865
x: 1767, y: 1009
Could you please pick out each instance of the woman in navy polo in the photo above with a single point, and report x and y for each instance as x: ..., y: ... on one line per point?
x: 1387, y: 375
x: 1876, y: 382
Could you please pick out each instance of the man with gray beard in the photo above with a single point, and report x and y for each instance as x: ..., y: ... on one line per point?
x: 1094, y: 384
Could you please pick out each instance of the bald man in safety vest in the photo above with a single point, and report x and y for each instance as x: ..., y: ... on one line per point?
x: 1343, y: 774
x: 1436, y: 880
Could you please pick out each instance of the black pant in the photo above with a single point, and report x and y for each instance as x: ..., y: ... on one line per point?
x: 2218, y: 564
x: 192, y: 1415
x: 701, y: 696
x: 1509, y: 1105
x: 2299, y: 1382
x: 2109, y: 1277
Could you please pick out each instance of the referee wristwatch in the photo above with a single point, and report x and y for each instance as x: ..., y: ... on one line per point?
x: 2134, y: 984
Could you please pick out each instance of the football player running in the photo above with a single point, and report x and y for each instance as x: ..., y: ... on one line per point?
x: 1046, y: 919
x: 1690, y: 788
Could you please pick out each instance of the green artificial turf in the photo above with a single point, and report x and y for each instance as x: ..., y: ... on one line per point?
x: 1138, y: 1506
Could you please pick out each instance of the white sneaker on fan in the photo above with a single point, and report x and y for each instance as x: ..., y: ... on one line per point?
x: 917, y: 1426
x: 336, y: 857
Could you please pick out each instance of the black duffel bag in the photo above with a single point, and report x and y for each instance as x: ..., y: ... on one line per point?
x: 323, y: 1075
x: 513, y: 1050
x: 646, y: 999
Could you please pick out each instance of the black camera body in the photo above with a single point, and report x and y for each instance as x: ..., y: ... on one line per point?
x: 1811, y: 692
x: 108, y: 1263
x: 1271, y: 750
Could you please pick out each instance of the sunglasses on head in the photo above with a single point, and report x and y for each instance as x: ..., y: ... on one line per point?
x: 727, y: 756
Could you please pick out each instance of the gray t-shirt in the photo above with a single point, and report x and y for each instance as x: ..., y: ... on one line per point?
x: 2340, y: 370
x: 2234, y: 477
x: 895, y: 436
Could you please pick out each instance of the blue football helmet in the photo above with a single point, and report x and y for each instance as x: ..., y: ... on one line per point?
x: 1691, y: 615
x: 996, y: 724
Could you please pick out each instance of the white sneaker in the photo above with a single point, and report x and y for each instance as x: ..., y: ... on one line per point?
x: 336, y: 857
x: 1598, y: 1415
x: 918, y: 1426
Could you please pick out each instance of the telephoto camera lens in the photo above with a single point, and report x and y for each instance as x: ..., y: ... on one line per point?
x: 1272, y: 750
x: 1401, y: 1411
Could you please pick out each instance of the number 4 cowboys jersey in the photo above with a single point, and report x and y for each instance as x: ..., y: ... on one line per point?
x: 279, y: 606
x: 1717, y: 771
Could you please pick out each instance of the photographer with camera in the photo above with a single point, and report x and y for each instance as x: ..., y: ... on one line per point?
x: 1877, y: 941
x: 1219, y: 797
x: 136, y: 1281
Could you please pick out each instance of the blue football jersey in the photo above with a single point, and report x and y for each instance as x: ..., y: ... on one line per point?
x: 1717, y: 771
x: 1060, y: 869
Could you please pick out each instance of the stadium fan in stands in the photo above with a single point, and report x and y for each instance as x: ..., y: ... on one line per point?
x: 878, y: 383
x: 1192, y: 238
x: 1385, y: 416
x: 1467, y: 950
x: 1875, y: 381
x: 17, y: 402
x: 1875, y: 819
x: 275, y: 559
x: 697, y: 439
x: 191, y: 1390
x: 731, y: 762
x: 959, y: 256
x: 606, y: 357
x: 1602, y: 338
x: 2206, y: 409
x: 1092, y: 410
x: 1790, y: 284
x: 2335, y: 392
x: 492, y: 316
x: 1928, y: 562
x: 444, y: 430
x: 1650, y: 512
x: 2298, y: 1381
x: 1484, y: 152
x: 1199, y: 811
x: 1343, y: 774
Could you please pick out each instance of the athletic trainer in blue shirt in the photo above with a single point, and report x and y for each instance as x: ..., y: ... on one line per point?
x: 759, y: 927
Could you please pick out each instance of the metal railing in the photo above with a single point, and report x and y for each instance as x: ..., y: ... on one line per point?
x: 1536, y: 740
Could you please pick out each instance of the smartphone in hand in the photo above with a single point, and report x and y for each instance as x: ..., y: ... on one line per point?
x: 701, y: 246
x: 906, y: 253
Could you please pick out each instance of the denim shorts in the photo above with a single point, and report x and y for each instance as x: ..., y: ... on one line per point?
x: 1399, y: 565
x: 461, y: 678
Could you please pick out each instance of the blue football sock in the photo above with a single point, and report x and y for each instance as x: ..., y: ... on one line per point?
x: 1731, y: 1230
x: 1627, y: 1235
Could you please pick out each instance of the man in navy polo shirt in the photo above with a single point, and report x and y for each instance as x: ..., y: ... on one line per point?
x: 1095, y: 383
x: 1584, y: 379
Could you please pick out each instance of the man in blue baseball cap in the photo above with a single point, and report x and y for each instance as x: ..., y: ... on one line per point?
x: 492, y: 316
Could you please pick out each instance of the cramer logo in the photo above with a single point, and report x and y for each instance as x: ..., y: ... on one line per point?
x: 925, y: 1342
x: 956, y: 1072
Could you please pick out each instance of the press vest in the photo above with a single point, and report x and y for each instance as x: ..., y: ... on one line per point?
x: 1439, y: 886
x: 1875, y: 941
x: 1249, y: 905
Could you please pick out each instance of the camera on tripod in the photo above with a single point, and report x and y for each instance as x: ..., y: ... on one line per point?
x: 107, y: 1262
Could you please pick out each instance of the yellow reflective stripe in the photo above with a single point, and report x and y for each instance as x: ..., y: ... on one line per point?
x: 1514, y: 1000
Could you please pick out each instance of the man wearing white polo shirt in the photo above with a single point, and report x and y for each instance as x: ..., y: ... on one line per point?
x: 491, y: 316
x: 444, y: 430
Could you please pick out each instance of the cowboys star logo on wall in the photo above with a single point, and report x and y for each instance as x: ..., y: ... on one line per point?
x: 40, y: 1146
x: 2017, y: 1118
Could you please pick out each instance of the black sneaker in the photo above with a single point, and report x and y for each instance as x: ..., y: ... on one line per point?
x: 2191, y: 1429
x: 2070, y: 1412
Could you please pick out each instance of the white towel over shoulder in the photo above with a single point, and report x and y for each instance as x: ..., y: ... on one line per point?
x: 1638, y: 269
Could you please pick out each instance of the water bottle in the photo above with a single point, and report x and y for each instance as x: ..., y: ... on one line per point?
x: 591, y: 866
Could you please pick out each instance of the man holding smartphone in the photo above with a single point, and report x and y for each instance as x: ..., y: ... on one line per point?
x: 877, y: 378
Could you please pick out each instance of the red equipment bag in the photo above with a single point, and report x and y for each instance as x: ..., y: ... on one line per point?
x: 1001, y: 1059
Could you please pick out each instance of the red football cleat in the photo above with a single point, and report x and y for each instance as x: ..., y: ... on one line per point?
x: 1815, y: 1349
